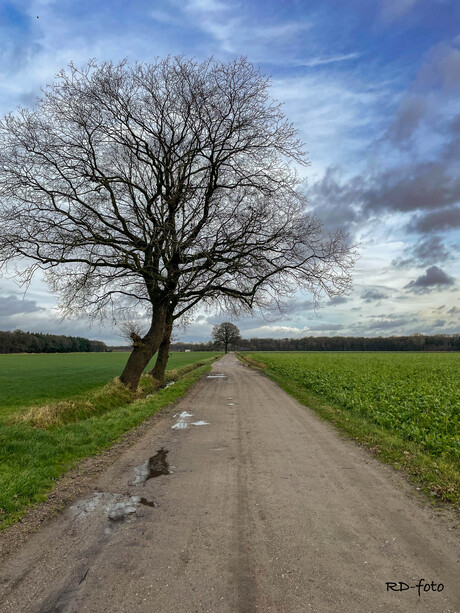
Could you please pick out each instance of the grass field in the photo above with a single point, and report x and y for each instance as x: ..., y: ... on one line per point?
x: 406, y: 406
x: 28, y: 379
x: 32, y: 458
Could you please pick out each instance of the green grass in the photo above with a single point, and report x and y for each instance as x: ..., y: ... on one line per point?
x: 405, y: 406
x: 32, y: 379
x: 32, y: 458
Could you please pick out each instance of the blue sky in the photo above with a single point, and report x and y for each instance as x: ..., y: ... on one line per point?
x: 373, y: 88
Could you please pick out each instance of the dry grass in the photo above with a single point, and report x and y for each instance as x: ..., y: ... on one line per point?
x: 248, y: 360
x: 110, y: 396
x: 113, y: 394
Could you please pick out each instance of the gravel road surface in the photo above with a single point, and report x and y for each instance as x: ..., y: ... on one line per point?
x: 239, y: 500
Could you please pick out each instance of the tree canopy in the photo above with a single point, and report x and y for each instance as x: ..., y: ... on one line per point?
x: 158, y: 187
x: 226, y: 335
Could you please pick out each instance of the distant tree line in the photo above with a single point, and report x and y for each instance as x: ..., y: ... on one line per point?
x: 416, y: 342
x: 36, y: 342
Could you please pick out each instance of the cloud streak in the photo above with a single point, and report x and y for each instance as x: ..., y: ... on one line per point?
x: 431, y: 250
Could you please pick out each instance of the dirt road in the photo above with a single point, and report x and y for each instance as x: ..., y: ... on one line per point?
x: 259, y: 506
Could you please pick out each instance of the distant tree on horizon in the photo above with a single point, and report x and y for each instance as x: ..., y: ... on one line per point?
x: 226, y: 335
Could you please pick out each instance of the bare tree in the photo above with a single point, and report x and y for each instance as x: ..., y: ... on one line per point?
x: 226, y: 335
x: 131, y: 331
x: 158, y: 371
x: 161, y: 186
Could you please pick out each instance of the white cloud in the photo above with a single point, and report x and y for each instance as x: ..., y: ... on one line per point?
x: 232, y: 27
x: 337, y: 116
x: 393, y: 9
x: 284, y: 329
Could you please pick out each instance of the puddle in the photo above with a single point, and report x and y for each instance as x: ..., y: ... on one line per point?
x: 230, y: 404
x: 154, y: 467
x: 182, y: 422
x: 217, y: 376
x: 147, y: 503
x: 158, y: 464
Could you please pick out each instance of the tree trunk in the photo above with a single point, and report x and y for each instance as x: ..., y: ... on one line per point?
x: 144, y: 349
x: 158, y: 371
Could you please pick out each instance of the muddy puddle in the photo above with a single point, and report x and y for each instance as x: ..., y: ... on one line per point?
x: 155, y: 466
x: 117, y: 507
x: 146, y: 503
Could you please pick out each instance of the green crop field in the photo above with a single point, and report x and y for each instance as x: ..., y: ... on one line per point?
x: 414, y: 397
x: 85, y: 412
x: 28, y: 379
x: 417, y: 395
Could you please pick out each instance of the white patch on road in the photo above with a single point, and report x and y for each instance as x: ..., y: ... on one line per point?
x: 82, y: 508
x: 182, y: 421
x: 219, y: 376
x: 115, y: 506
x: 122, y: 506
x: 230, y: 404
x: 141, y: 473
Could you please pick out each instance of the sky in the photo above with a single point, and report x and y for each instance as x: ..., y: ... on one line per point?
x: 373, y: 89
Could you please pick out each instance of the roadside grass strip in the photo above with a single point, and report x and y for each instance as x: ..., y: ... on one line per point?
x: 405, y: 408
x: 100, y: 400
x: 38, y: 445
x: 38, y: 379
